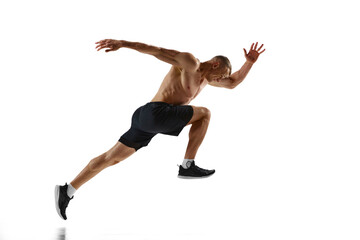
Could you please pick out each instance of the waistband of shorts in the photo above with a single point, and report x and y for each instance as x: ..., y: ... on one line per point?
x: 159, y: 103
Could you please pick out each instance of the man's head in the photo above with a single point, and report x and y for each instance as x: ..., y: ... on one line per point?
x: 220, y: 68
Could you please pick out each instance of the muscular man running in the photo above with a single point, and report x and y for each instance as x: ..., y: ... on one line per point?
x: 167, y: 113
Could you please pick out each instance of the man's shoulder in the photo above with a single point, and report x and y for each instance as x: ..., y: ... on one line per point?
x: 187, y: 61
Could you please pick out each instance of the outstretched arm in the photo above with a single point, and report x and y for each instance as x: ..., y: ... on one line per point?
x: 237, y: 77
x: 173, y: 57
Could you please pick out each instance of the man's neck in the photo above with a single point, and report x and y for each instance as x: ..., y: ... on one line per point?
x: 205, y: 68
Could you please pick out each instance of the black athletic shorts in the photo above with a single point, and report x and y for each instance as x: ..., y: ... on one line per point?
x: 153, y: 118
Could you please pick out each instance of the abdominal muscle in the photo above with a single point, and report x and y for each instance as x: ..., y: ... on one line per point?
x: 171, y: 96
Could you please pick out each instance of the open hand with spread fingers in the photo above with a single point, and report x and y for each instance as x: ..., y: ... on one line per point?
x: 254, y: 53
x: 111, y: 44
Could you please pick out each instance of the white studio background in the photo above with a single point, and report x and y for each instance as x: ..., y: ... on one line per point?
x: 285, y: 142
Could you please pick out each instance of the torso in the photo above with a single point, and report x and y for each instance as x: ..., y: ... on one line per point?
x: 173, y: 91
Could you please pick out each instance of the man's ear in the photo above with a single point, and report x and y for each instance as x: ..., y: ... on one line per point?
x: 215, y: 65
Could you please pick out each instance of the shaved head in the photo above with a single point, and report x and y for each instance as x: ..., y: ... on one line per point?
x: 224, y: 61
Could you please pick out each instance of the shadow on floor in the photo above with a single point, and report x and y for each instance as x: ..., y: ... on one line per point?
x: 61, y: 234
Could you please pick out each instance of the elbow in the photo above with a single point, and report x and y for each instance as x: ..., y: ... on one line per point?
x: 232, y: 84
x: 232, y: 87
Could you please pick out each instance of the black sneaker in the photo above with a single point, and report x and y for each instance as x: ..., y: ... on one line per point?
x: 62, y: 200
x: 194, y: 171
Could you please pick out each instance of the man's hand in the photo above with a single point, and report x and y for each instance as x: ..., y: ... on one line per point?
x: 112, y: 44
x: 254, y: 53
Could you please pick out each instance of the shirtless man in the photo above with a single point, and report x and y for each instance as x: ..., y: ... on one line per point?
x: 167, y: 113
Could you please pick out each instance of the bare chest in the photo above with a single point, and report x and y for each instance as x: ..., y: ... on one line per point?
x: 192, y: 83
x: 180, y: 87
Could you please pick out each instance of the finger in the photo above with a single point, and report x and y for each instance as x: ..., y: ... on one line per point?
x: 262, y: 51
x: 109, y: 50
x: 260, y: 47
x: 103, y: 44
x: 101, y: 48
x: 252, y: 45
x: 245, y: 52
x: 255, y: 46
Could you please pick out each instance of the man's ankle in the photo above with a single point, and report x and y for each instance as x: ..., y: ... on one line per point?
x: 187, y: 163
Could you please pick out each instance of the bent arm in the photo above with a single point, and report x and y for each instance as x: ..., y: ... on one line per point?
x: 235, y: 79
x: 240, y: 75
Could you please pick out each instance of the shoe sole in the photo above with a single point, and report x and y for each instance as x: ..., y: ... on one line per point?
x: 57, y: 193
x: 189, y: 177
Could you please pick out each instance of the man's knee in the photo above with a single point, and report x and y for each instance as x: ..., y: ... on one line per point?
x: 110, y: 159
x: 118, y: 153
x: 200, y: 114
x: 206, y: 113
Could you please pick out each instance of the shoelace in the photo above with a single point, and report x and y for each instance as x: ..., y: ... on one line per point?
x: 200, y: 169
x: 196, y: 168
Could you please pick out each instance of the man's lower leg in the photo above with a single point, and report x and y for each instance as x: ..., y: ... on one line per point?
x: 63, y: 194
x: 95, y: 166
x: 115, y: 155
x: 196, y: 136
